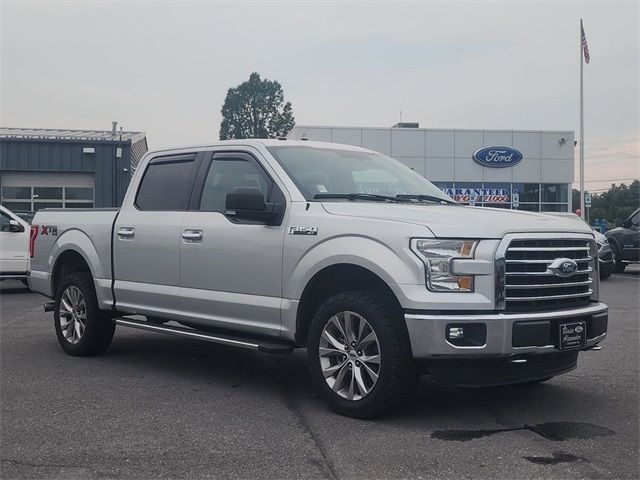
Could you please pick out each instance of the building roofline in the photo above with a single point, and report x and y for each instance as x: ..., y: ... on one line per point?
x: 71, y: 135
x: 355, y: 127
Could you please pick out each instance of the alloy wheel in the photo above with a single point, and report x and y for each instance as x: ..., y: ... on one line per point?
x: 349, y: 354
x: 73, y: 314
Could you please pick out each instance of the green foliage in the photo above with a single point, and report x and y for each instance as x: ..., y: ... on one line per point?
x: 256, y: 109
x: 615, y: 204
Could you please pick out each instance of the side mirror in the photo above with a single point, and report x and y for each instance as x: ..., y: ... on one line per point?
x: 15, y: 226
x: 247, y: 203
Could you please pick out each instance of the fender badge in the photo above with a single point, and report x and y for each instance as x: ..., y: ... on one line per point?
x: 303, y: 230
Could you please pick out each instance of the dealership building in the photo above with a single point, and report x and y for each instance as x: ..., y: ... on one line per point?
x: 517, y: 169
x: 66, y: 168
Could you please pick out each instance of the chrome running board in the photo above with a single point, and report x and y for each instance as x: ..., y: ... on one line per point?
x: 267, y: 346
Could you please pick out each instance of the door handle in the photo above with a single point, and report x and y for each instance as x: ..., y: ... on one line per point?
x: 192, y: 236
x: 126, y: 233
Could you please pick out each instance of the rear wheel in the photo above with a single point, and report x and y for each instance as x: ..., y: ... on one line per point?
x: 81, y: 327
x: 360, y: 355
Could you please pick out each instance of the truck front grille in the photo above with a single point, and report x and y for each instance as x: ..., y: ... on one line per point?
x: 529, y: 285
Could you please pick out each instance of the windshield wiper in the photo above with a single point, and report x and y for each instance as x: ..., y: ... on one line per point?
x: 428, y: 198
x: 361, y: 196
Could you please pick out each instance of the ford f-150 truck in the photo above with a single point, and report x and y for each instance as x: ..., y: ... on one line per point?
x: 278, y: 244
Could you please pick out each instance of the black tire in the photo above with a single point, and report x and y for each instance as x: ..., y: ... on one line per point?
x: 99, y: 328
x: 397, y: 377
x: 619, y: 265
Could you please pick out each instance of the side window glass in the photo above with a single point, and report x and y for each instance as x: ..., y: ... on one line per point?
x: 635, y: 220
x: 166, y: 185
x: 4, y: 222
x: 224, y: 176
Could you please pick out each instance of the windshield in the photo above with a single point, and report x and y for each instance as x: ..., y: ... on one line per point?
x: 320, y: 172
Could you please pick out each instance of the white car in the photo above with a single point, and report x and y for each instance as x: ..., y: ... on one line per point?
x: 14, y: 246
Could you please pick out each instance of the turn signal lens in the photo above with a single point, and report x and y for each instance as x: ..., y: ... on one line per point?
x: 465, y: 283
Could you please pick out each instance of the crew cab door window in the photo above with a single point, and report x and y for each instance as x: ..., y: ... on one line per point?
x: 166, y: 184
x: 226, y: 174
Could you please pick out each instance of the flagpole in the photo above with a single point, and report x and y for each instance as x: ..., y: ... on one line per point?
x: 582, y: 212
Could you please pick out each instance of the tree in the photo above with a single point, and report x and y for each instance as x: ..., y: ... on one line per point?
x: 256, y: 109
x: 617, y: 203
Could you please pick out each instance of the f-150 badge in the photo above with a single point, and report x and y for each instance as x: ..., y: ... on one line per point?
x: 303, y: 230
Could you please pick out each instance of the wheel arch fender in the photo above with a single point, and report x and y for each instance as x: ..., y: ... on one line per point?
x: 76, y: 241
x: 360, y: 251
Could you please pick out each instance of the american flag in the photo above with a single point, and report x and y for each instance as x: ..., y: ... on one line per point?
x: 585, y: 47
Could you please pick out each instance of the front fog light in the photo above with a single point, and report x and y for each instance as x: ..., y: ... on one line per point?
x: 437, y: 256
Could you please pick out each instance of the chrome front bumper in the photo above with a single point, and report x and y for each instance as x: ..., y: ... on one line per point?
x: 427, y: 332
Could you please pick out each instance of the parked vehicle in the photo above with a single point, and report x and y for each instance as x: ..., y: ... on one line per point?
x: 625, y: 241
x: 277, y: 244
x: 14, y: 246
x: 605, y: 252
x: 25, y: 215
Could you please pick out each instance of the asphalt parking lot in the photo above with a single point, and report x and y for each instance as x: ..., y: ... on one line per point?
x: 160, y: 406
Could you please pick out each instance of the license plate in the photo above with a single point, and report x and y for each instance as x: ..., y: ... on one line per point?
x: 573, y: 335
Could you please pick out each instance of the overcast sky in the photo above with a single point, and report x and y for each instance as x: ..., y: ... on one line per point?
x: 164, y: 68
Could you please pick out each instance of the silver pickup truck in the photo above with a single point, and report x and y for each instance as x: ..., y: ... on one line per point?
x: 278, y: 244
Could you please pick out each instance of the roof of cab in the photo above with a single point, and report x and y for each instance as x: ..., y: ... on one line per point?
x: 257, y: 142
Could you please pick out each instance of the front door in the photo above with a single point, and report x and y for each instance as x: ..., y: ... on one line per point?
x: 147, y: 237
x: 631, y: 238
x: 230, y: 270
x: 14, y: 245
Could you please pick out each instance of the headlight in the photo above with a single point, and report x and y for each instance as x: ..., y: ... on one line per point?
x: 437, y: 256
x: 602, y: 244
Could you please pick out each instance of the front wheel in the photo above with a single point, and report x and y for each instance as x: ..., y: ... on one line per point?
x: 81, y: 327
x: 360, y: 355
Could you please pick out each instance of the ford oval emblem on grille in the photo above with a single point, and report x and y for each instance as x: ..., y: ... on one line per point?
x: 563, y: 267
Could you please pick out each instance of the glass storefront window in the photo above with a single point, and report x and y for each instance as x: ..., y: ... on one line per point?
x: 38, y: 205
x: 76, y: 193
x: 529, y: 207
x: 496, y: 195
x: 465, y: 192
x: 554, y: 192
x: 17, y: 193
x: 47, y: 193
x: 18, y: 206
x: 555, y: 207
x: 529, y: 192
x: 30, y: 199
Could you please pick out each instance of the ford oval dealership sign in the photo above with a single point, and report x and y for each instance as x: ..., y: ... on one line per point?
x: 497, y: 157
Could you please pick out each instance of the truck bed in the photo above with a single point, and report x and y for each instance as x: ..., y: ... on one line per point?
x: 85, y: 231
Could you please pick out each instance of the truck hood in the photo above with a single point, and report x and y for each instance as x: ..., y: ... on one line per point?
x: 457, y: 221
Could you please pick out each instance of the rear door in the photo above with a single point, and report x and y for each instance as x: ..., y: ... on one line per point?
x: 147, y: 237
x: 231, y: 270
